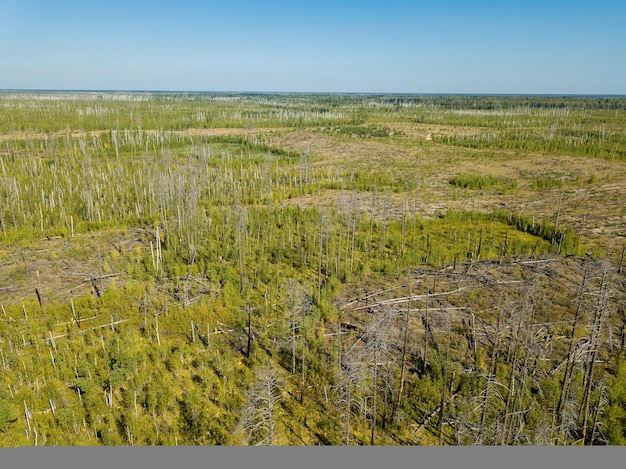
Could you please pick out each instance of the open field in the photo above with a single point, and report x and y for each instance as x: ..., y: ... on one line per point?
x: 295, y: 269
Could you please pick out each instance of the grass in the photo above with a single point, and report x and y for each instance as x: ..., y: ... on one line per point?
x: 547, y: 183
x: 146, y: 241
x: 475, y: 181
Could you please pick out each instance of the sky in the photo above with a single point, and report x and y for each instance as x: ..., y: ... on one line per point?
x: 381, y: 46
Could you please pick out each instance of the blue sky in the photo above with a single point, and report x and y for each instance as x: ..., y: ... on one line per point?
x: 543, y: 46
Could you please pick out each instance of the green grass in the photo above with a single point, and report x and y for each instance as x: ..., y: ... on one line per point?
x: 547, y: 183
x: 475, y: 181
x: 137, y: 259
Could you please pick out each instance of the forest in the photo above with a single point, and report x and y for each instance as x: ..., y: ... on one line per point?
x: 312, y: 269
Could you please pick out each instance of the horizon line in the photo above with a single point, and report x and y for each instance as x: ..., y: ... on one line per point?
x: 358, y: 93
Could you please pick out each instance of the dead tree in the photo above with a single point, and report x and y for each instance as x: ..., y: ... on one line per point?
x: 600, y: 313
x: 259, y: 416
x: 298, y: 304
x: 569, y: 367
x: 407, y: 321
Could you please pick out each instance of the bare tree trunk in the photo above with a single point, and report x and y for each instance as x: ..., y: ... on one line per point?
x: 558, y: 213
x: 426, y: 328
x: 600, y: 313
x: 156, y: 328
x: 375, y: 386
x: 354, y: 224
x: 444, y: 386
x: 383, y: 228
x: 249, y: 332
x: 403, y: 359
x: 491, y: 371
x: 348, y: 406
x: 570, y: 355
x: 510, y: 397
x: 338, y: 268
x: 293, y: 343
x: 474, y: 338
x: 586, y: 397
x: 404, y: 210
x: 302, y: 381
x: 319, y: 270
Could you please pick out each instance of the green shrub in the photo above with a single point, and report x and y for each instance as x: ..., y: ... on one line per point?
x: 474, y: 181
x: 547, y: 183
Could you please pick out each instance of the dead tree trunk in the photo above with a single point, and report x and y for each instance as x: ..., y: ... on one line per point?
x: 491, y: 372
x: 569, y: 367
x: 599, y: 317
x: 403, y: 359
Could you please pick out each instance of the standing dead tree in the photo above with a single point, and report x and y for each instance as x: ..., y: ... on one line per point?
x: 259, y: 416
x: 595, y: 330
x: 572, y: 353
x: 366, y: 370
x: 297, y: 304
